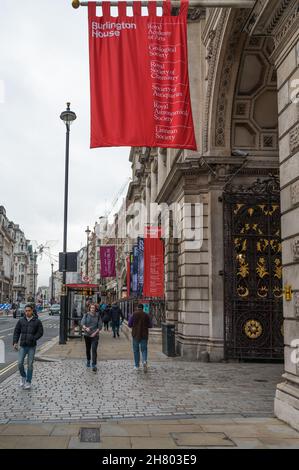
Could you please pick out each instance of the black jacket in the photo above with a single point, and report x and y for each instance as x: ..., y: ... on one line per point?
x: 30, y: 332
x: 116, y: 313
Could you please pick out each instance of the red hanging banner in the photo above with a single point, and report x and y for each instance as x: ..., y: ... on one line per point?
x: 153, y: 263
x: 107, y: 259
x: 139, y: 78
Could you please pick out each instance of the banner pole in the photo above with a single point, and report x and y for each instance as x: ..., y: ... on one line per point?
x: 202, y: 3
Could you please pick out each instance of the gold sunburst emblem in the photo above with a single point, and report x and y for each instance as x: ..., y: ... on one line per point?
x: 253, y: 329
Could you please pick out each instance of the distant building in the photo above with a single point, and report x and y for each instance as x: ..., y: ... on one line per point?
x: 18, y: 272
x: 32, y: 274
x: 6, y: 257
x: 21, y: 261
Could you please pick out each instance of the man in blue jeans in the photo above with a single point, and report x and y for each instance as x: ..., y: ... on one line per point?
x: 30, y: 329
x: 140, y: 323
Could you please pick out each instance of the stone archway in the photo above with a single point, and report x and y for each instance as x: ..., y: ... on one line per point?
x: 254, y: 114
x: 240, y: 137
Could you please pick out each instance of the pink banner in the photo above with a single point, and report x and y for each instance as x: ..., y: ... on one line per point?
x: 107, y: 257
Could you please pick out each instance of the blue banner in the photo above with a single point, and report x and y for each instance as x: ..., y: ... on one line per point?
x: 140, y: 265
x: 135, y: 271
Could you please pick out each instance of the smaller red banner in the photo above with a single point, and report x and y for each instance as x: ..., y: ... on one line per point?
x: 107, y: 256
x: 153, y: 263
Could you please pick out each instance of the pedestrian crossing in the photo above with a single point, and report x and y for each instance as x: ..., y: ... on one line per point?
x: 50, y: 325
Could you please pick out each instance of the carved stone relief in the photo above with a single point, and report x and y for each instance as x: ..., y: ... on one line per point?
x: 209, y: 55
x: 296, y: 250
x: 211, y: 73
x: 225, y: 82
x: 294, y: 139
x: 286, y: 24
x: 295, y: 193
x: 296, y: 305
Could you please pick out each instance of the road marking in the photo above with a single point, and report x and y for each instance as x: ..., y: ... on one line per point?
x: 8, y: 368
x: 11, y: 366
x: 8, y: 329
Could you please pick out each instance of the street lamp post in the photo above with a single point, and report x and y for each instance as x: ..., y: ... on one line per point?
x: 34, y: 274
x: 52, y: 282
x: 87, y: 231
x: 67, y: 117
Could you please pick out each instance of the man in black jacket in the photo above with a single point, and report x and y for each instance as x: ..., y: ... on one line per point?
x: 30, y: 329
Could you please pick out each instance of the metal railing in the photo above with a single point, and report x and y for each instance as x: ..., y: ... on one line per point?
x: 156, y: 309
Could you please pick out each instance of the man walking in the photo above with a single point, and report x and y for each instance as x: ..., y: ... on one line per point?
x: 116, y: 316
x: 30, y: 329
x: 140, y: 322
x: 91, y: 324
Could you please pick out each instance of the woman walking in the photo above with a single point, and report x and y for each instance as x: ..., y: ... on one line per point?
x: 91, y: 325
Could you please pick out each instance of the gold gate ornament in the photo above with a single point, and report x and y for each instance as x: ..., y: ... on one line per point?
x: 253, y: 329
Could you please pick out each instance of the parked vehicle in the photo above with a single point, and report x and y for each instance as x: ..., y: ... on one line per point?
x: 55, y: 309
x: 19, y: 311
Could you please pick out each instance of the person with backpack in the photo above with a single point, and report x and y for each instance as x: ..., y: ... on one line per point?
x: 91, y: 325
x: 29, y: 330
x: 116, y: 317
x: 107, y: 317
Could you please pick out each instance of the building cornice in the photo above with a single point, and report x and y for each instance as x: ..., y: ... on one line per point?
x: 217, y: 170
x: 276, y: 18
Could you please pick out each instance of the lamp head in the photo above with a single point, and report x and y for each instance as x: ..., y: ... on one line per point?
x: 68, y: 116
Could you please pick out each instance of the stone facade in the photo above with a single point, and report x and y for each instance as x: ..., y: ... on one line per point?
x: 234, y: 101
x: 14, y: 262
x: 245, y: 130
x: 284, y: 27
x: 243, y: 68
x: 7, y: 237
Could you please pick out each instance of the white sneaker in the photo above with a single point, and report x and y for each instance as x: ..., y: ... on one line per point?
x: 22, y: 382
x: 27, y: 386
x: 136, y: 368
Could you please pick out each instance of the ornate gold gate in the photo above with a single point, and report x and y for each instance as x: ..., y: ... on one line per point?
x: 253, y: 316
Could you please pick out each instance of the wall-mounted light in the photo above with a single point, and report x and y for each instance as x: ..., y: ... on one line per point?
x: 288, y: 293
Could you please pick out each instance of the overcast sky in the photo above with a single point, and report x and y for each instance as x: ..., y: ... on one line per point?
x: 44, y: 64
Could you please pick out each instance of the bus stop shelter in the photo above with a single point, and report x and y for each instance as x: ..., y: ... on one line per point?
x: 77, y: 298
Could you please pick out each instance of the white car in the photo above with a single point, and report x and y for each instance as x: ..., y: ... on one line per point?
x: 55, y: 309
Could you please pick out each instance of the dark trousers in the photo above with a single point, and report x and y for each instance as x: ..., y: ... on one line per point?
x: 91, y: 345
x: 115, y: 328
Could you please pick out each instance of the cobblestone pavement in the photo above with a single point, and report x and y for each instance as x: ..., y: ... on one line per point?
x: 66, y: 391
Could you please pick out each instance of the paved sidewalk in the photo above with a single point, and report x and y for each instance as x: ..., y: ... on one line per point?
x: 177, y: 404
